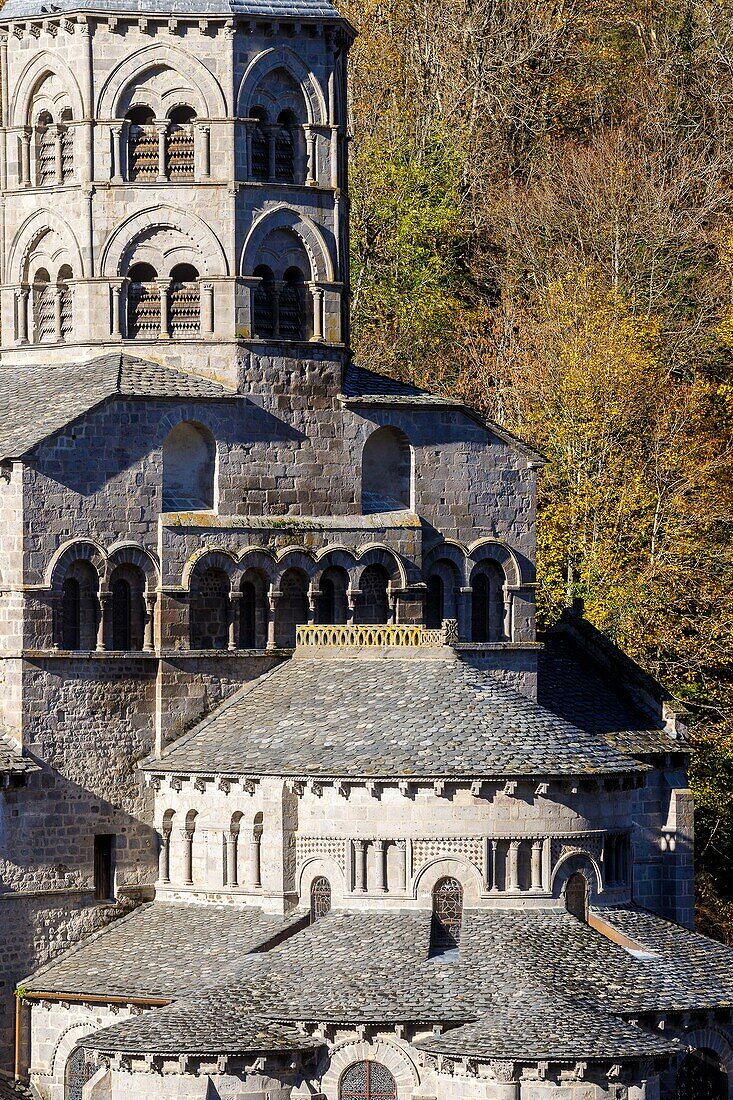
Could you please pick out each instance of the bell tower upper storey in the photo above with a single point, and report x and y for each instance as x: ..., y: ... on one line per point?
x: 173, y: 181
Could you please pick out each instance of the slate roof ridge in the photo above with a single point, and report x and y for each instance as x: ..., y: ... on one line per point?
x: 30, y: 980
x: 293, y: 9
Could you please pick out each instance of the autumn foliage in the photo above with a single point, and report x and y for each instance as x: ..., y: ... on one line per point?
x: 542, y: 225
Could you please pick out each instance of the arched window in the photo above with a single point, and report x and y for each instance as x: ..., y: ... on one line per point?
x: 487, y: 603
x: 332, y: 605
x: 253, y: 611
x: 184, y: 302
x: 263, y: 304
x: 386, y: 472
x: 285, y: 137
x: 179, y: 145
x: 702, y: 1076
x: 66, y: 139
x: 320, y: 898
x: 142, y: 145
x: 46, y: 167
x: 260, y: 145
x: 189, y: 469
x: 70, y: 614
x: 576, y: 896
x: 373, y: 601
x: 66, y: 304
x: 79, y: 614
x: 292, y: 607
x: 44, y: 317
x: 78, y: 1070
x: 127, y: 586
x: 143, y: 303
x: 367, y: 1081
x: 248, y: 616
x: 292, y: 306
x: 434, y: 603
x: 445, y: 930
x: 210, y: 610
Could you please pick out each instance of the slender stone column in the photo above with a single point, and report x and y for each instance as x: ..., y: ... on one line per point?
x: 232, y: 854
x: 164, y: 859
x: 116, y: 154
x: 272, y: 601
x: 317, y: 295
x: 493, y: 864
x: 22, y: 296
x: 57, y: 314
x: 163, y: 292
x: 115, y: 326
x: 187, y: 857
x: 25, y: 158
x: 149, y: 640
x: 537, y: 846
x: 380, y: 867
x: 57, y: 154
x: 359, y: 866
x: 513, y: 865
x: 233, y: 625
x: 206, y: 291
x: 401, y: 883
x: 255, y: 868
x: 104, y: 605
x: 312, y: 167
x: 161, y: 126
x: 205, y: 132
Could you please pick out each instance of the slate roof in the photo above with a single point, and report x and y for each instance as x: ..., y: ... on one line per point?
x: 14, y: 1090
x: 529, y: 984
x: 12, y: 761
x: 273, y: 9
x: 529, y: 1025
x: 386, y: 718
x: 573, y: 687
x: 366, y: 387
x: 155, y: 950
x: 38, y: 400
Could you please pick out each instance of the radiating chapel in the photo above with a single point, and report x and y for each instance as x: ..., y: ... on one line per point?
x: 294, y: 802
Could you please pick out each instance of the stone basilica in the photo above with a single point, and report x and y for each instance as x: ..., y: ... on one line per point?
x: 293, y: 802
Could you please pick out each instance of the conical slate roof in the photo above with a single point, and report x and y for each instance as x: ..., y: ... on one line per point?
x: 385, y: 718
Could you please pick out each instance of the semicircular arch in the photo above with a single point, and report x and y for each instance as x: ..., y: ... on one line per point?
x: 186, y: 65
x: 31, y: 232
x: 207, y: 245
x: 447, y: 866
x: 130, y: 553
x: 209, y: 557
x: 73, y: 551
x: 492, y: 550
x: 576, y: 863
x: 42, y: 65
x: 310, y: 236
x: 282, y: 58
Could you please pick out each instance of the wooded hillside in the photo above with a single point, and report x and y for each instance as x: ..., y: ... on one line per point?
x: 542, y: 221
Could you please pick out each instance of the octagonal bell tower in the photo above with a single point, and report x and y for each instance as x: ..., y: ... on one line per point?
x: 173, y: 182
